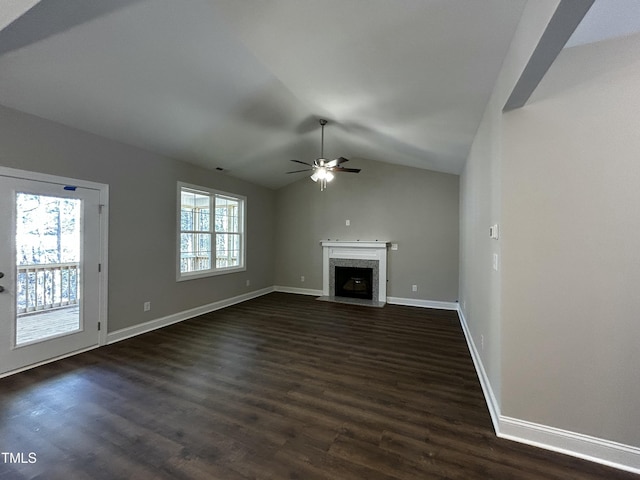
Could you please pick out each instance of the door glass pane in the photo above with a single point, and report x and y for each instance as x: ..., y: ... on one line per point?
x: 48, y: 267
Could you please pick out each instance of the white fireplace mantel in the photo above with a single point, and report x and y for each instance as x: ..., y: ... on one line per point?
x: 355, y: 244
x: 356, y: 250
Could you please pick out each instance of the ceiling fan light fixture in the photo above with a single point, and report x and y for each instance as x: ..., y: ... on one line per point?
x: 321, y: 173
x: 322, y: 168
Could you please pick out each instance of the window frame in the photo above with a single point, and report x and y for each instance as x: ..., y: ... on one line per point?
x: 242, y: 225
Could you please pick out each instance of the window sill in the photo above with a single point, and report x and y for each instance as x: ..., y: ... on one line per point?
x: 181, y: 277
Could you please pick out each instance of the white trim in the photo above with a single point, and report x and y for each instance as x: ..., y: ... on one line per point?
x: 417, y: 302
x: 410, y: 302
x: 103, y: 253
x: 355, y: 244
x: 598, y: 450
x: 151, y: 325
x: 213, y: 194
x: 299, y: 291
x: 606, y: 452
x: 489, y: 396
x: 209, y: 273
x: 103, y: 301
x: 366, y: 250
x: 45, y: 177
x: 49, y: 360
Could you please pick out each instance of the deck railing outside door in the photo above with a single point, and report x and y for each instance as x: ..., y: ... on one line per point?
x: 47, y: 287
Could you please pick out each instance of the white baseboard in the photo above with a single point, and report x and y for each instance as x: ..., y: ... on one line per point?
x: 606, y: 452
x: 299, y: 291
x: 487, y: 390
x: 151, y: 325
x: 129, y: 332
x: 416, y: 302
x: 410, y: 302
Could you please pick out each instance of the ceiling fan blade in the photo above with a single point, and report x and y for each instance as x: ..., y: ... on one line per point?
x: 304, y: 163
x: 336, y: 161
x: 348, y: 170
x: 321, y: 167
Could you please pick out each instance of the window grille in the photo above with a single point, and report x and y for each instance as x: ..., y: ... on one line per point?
x: 211, y: 232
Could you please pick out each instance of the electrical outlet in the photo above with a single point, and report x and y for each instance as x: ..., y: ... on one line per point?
x: 302, y: 278
x: 394, y: 246
x: 414, y: 288
x: 147, y: 306
x: 495, y: 262
x: 248, y: 283
x: 347, y: 223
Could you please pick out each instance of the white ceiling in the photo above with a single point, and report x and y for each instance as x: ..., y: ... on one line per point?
x: 240, y: 84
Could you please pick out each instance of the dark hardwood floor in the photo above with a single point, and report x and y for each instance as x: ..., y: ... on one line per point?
x: 280, y: 387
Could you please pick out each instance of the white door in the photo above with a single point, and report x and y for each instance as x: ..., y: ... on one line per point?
x: 49, y: 264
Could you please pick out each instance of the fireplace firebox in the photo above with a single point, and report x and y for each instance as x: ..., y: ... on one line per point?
x: 354, y: 282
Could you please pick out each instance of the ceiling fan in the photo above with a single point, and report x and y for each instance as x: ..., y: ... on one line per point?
x: 322, y: 168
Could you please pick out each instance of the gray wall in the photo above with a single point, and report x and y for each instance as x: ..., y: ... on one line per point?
x: 417, y: 209
x: 479, y: 284
x: 481, y: 205
x: 559, y: 319
x: 142, y: 236
x: 571, y: 251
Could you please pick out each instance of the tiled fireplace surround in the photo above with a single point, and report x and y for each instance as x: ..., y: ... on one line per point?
x: 362, y: 254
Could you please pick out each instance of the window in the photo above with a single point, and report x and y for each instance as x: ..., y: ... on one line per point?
x: 211, y: 238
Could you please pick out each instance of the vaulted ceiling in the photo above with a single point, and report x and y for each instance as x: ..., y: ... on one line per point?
x: 240, y: 85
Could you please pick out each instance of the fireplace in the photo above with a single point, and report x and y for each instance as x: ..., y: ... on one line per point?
x: 366, y: 262
x: 358, y: 267
x: 354, y: 282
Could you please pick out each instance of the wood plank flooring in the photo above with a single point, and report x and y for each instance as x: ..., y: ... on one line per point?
x: 279, y: 387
